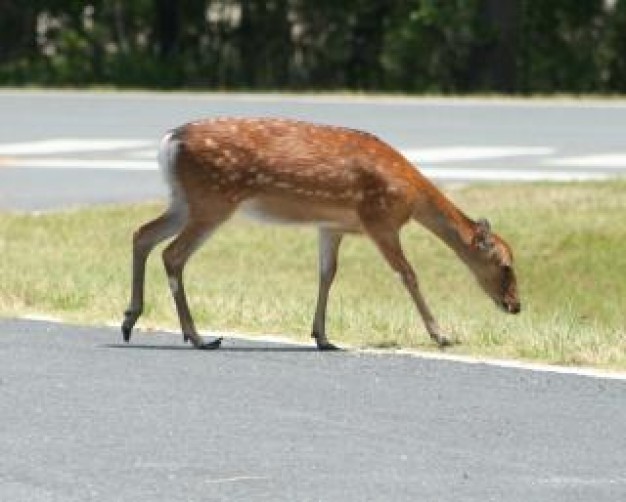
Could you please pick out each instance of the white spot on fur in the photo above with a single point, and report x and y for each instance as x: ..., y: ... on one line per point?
x: 173, y: 282
x: 322, y: 193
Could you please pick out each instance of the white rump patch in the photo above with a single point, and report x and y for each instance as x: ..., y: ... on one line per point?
x: 168, y: 150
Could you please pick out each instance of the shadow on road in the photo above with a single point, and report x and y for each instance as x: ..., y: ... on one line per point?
x: 264, y: 348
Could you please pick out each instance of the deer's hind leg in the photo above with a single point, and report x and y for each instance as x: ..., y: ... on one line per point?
x: 329, y: 242
x: 144, y: 241
x: 198, y: 228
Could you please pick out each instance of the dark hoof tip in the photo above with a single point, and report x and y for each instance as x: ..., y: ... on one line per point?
x: 185, y: 339
x: 327, y: 347
x: 126, y: 331
x: 212, y: 345
x: 443, y: 342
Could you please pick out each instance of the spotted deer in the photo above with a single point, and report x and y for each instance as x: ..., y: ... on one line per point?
x: 337, y: 179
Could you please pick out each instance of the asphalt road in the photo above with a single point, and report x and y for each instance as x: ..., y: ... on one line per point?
x: 84, y: 417
x: 60, y: 149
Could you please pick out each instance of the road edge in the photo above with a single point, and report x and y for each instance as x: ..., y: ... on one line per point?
x: 581, y: 371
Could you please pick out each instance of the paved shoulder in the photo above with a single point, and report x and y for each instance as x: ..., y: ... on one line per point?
x: 85, y: 417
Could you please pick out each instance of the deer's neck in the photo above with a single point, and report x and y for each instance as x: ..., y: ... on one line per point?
x: 438, y: 214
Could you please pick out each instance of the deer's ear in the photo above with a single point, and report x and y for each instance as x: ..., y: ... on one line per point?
x: 482, y: 236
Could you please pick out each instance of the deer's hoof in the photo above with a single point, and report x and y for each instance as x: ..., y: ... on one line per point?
x: 212, y: 345
x: 443, y: 341
x: 327, y: 346
x: 127, y: 328
x: 130, y: 318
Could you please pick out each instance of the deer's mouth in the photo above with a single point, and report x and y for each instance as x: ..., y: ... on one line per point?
x: 510, y: 307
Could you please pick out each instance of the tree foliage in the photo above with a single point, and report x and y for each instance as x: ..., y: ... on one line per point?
x: 450, y: 46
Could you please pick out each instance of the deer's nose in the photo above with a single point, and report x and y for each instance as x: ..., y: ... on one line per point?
x: 514, y: 307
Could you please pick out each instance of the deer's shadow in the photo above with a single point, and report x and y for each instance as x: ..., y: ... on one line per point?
x: 227, y: 348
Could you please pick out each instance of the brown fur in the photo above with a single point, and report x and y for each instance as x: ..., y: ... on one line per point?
x: 338, y: 179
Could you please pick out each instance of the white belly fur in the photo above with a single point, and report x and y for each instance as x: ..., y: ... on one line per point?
x: 305, y: 212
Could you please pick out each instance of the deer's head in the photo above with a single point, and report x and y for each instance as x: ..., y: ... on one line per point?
x: 493, y: 267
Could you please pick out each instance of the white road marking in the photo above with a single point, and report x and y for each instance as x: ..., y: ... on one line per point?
x: 62, y: 145
x: 441, y: 356
x: 444, y: 173
x: 455, y: 358
x: 140, y: 154
x: 465, y: 153
x: 604, y: 160
x: 75, y: 163
x: 510, y: 364
x: 143, y: 154
x: 438, y: 173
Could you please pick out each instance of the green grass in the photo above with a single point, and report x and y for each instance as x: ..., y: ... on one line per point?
x: 569, y: 242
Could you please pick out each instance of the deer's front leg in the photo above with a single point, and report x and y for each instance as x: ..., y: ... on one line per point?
x: 388, y: 241
x: 329, y: 242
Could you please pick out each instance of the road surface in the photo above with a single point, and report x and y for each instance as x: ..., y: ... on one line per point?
x: 60, y: 149
x: 84, y: 417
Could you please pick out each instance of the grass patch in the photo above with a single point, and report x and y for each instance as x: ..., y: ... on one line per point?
x: 569, y: 242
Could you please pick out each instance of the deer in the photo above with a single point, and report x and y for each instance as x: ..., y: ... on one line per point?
x: 340, y: 180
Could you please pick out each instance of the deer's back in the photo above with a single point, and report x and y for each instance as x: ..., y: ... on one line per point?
x: 275, y: 163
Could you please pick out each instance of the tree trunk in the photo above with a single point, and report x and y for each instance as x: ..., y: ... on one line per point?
x: 497, y: 59
x: 167, y: 27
